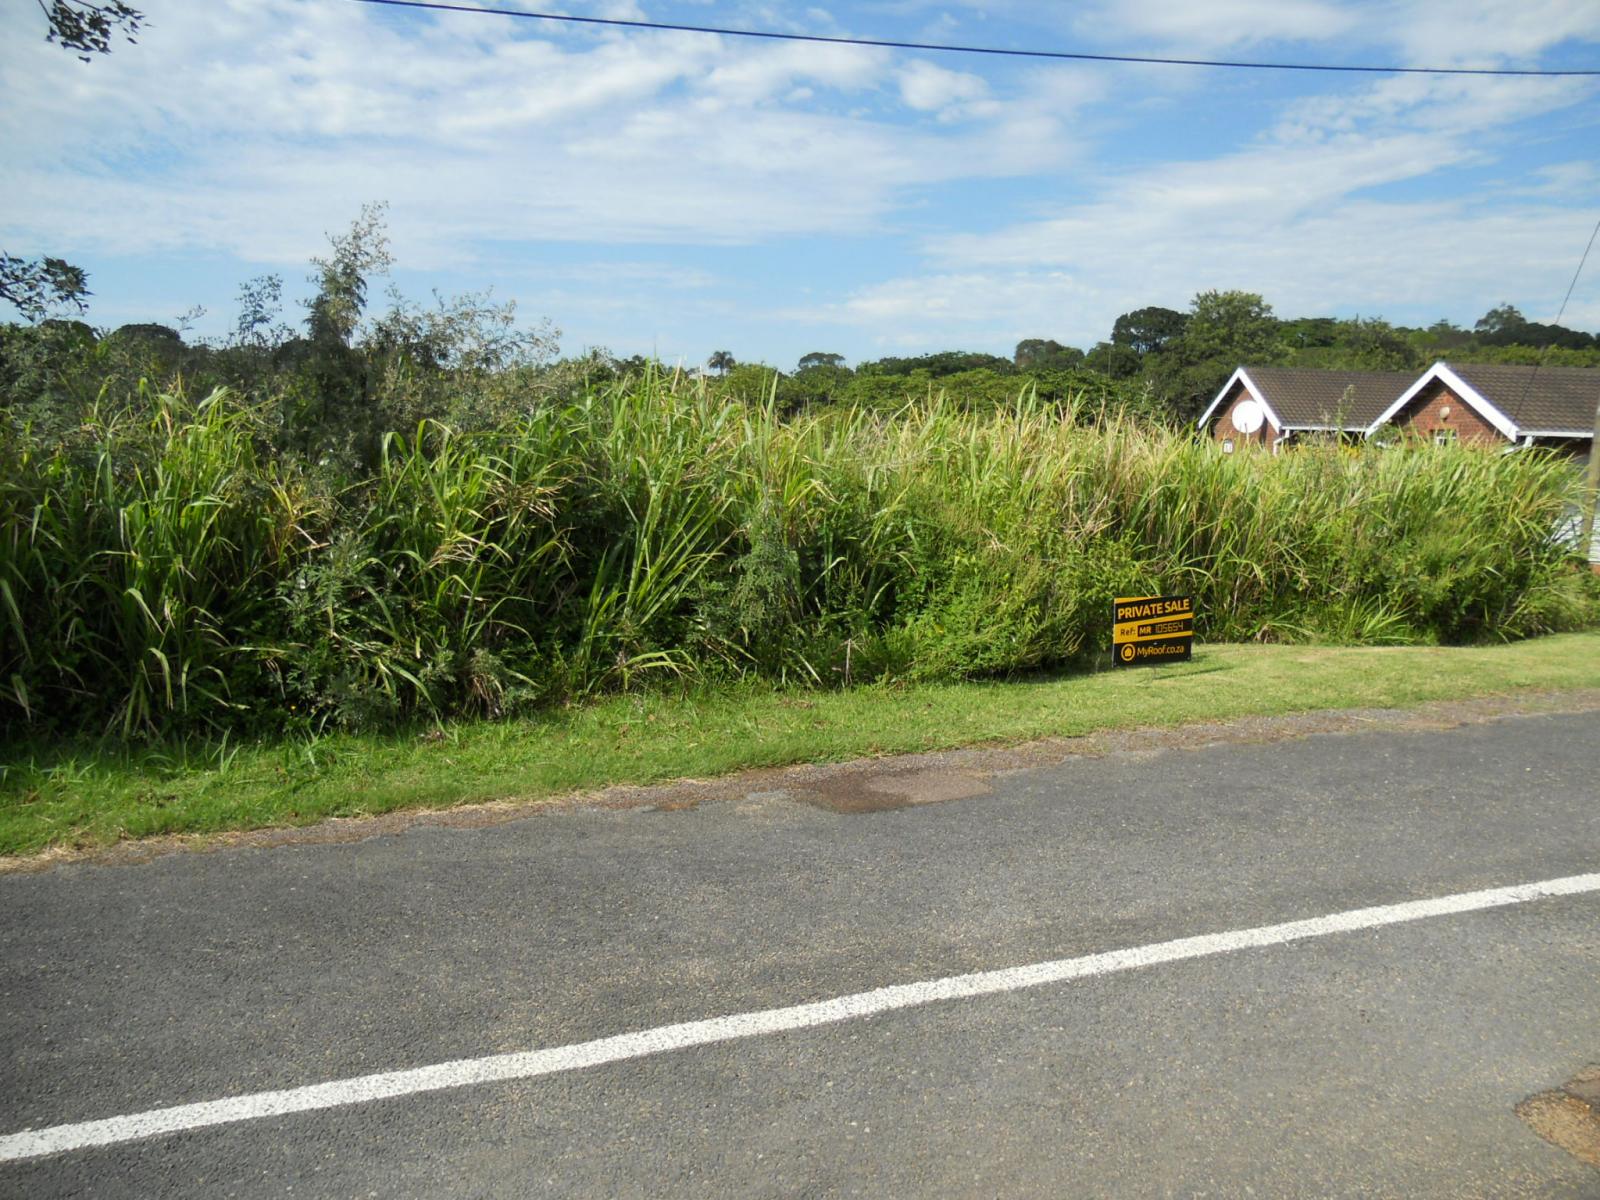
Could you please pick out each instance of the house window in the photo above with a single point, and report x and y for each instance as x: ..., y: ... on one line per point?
x: 1444, y: 437
x: 1227, y: 445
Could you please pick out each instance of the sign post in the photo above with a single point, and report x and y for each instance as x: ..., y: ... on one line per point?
x: 1147, y: 631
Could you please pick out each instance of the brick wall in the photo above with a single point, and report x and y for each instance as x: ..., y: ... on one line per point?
x: 1222, y: 429
x: 1426, y: 416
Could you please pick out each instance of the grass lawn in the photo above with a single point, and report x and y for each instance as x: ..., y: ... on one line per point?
x: 67, y: 796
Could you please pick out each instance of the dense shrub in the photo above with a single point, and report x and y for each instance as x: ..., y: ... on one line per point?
x: 163, y: 567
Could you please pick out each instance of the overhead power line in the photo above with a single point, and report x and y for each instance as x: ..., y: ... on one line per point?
x: 1527, y: 388
x: 885, y: 43
x: 1567, y: 299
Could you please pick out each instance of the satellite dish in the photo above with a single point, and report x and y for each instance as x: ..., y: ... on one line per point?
x: 1248, y: 416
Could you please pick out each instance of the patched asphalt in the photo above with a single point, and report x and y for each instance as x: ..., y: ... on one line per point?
x: 1388, y: 1062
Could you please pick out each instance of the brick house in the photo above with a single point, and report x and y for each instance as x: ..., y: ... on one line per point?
x: 1505, y: 404
x: 1471, y: 403
x: 1272, y: 406
x: 1488, y: 403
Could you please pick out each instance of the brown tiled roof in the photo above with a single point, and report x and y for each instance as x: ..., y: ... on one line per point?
x: 1308, y: 397
x: 1537, y: 398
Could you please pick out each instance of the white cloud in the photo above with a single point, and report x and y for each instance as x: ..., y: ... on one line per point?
x: 251, y: 127
x: 1408, y: 262
x: 1218, y: 24
x: 1308, y: 216
x: 928, y: 88
x: 1447, y: 106
x: 1414, y: 32
x: 1485, y: 32
x: 758, y: 73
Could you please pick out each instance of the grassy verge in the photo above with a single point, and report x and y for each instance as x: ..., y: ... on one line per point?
x: 91, y: 797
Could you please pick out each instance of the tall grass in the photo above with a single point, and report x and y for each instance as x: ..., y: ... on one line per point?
x: 162, y: 572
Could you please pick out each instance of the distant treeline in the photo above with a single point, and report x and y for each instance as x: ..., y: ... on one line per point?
x: 466, y: 361
x: 347, y: 373
x: 1167, y: 365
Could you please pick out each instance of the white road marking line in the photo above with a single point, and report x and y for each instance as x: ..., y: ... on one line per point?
x: 528, y: 1064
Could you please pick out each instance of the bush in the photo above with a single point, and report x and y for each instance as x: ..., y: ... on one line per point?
x: 164, y: 568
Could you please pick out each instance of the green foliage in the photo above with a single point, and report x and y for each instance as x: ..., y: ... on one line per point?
x: 342, y: 278
x: 1179, y: 360
x: 1045, y: 354
x: 937, y: 366
x: 86, y: 27
x: 1354, y: 345
x: 1237, y: 326
x: 815, y: 386
x: 1149, y: 330
x: 1113, y: 360
x: 1551, y: 356
x: 36, y: 288
x: 819, y: 358
x: 1504, y: 325
x: 163, y: 569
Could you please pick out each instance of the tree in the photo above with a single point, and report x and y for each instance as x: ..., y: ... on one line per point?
x: 1501, y: 319
x: 157, y: 335
x: 1149, y: 330
x: 1237, y: 327
x: 721, y: 362
x: 341, y: 278
x: 260, y: 302
x: 939, y: 365
x: 88, y: 27
x: 36, y: 288
x: 818, y: 359
x: 1440, y: 337
x: 1504, y: 325
x: 328, y: 356
x: 1108, y: 358
x: 1309, y: 333
x: 1372, y: 344
x: 1045, y: 354
x: 471, y: 332
x: 820, y: 384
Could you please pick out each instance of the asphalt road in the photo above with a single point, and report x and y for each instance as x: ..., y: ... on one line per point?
x: 1385, y: 1062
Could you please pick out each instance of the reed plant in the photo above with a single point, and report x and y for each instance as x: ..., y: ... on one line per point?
x: 166, y: 570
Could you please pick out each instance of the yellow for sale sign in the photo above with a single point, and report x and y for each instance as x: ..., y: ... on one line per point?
x: 1149, y: 630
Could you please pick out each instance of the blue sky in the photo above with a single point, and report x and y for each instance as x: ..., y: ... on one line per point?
x: 682, y: 193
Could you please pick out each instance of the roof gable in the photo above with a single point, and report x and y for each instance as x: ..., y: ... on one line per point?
x: 1441, y: 372
x: 1312, y: 398
x: 1519, y: 401
x: 1538, y: 400
x: 1241, y: 376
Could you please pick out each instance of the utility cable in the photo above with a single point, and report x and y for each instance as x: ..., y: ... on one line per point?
x: 1568, y: 297
x: 1591, y: 502
x: 884, y: 43
x: 1544, y: 357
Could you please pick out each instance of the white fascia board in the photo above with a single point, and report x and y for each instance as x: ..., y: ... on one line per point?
x: 1205, y: 417
x: 1406, y: 397
x: 1474, y: 399
x: 1558, y: 433
x: 1255, y: 394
